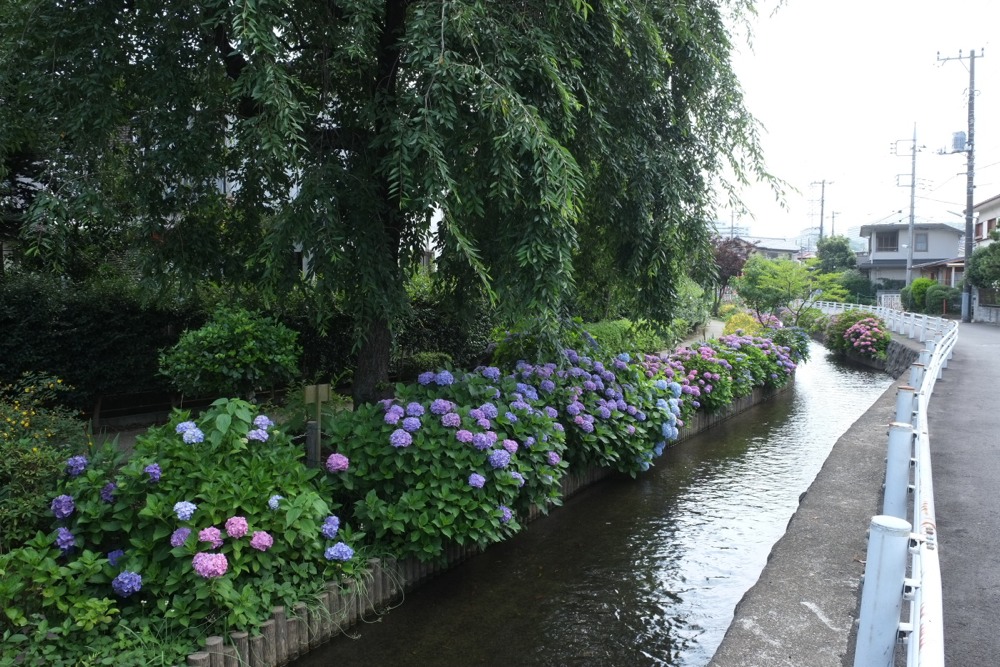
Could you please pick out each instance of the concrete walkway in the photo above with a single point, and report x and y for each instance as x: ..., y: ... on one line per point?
x: 802, y: 611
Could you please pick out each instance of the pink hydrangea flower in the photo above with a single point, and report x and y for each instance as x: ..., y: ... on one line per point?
x: 261, y: 540
x: 212, y: 535
x: 210, y: 565
x: 337, y: 463
x: 236, y: 527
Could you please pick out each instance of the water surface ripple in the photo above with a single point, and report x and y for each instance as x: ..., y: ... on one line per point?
x: 631, y: 572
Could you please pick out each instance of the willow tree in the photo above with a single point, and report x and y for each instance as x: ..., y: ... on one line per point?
x: 357, y: 132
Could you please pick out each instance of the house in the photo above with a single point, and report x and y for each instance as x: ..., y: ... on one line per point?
x: 934, y: 244
x: 985, y: 302
x: 773, y: 248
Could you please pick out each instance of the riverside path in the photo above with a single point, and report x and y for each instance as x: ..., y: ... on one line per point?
x: 802, y: 612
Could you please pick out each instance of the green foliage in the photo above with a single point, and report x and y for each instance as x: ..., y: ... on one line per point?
x: 236, y: 352
x: 614, y: 336
x: 918, y: 294
x: 99, y: 336
x: 859, y: 288
x: 984, y: 265
x: 814, y: 321
x: 727, y: 310
x: 940, y: 299
x: 36, y: 438
x: 835, y: 254
x: 743, y: 323
x: 412, y: 366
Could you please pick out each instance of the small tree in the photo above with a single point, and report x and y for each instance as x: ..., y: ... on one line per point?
x: 835, y: 254
x: 730, y: 256
x: 767, y: 285
x: 984, y: 265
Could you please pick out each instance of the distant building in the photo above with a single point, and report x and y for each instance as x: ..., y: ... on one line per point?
x: 935, y: 244
x: 774, y: 248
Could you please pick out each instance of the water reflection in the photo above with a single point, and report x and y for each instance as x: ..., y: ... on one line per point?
x: 631, y: 572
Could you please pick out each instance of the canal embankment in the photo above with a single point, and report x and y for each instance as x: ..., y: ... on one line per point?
x: 803, y: 609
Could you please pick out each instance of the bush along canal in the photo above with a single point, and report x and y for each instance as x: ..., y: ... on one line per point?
x: 631, y: 572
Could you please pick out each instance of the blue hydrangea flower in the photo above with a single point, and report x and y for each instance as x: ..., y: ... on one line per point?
x: 62, y: 506
x: 548, y: 386
x: 115, y: 556
x: 108, y: 492
x: 624, y: 356
x: 76, y: 465
x: 339, y: 551
x: 184, y: 427
x: 551, y: 412
x: 511, y: 417
x: 518, y: 477
x: 127, y: 583
x: 425, y: 378
x: 491, y: 373
x: 193, y: 436
x: 258, y: 434
x: 441, y: 406
x: 400, y: 438
x: 661, y: 385
x: 411, y: 424
x: 273, y: 501
x: 444, y: 378
x: 675, y: 389
x: 330, y: 527
x: 184, y: 510
x: 481, y: 441
x: 489, y: 410
x: 499, y: 458
x: 154, y: 472
x: 505, y: 513
x: 451, y: 420
x: 529, y: 441
x: 553, y: 458
x: 262, y: 421
x: 414, y: 409
x: 65, y: 539
x: 476, y: 480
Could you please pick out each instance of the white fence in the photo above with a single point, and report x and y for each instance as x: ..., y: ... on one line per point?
x: 889, y: 580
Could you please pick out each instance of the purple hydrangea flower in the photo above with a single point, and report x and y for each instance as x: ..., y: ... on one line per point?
x: 511, y: 417
x: 108, y: 492
x: 193, y: 436
x: 75, y: 465
x: 505, y: 513
x: 499, y: 458
x: 393, y: 415
x: 337, y: 462
x: 154, y: 472
x: 517, y: 477
x: 65, y: 539
x: 115, y: 556
x: 209, y: 565
x: 489, y: 410
x: 273, y: 501
x: 529, y: 441
x: 476, y: 480
x: 258, y: 434
x: 441, y: 406
x: 491, y: 373
x: 330, y: 527
x: 463, y: 436
x: 62, y: 506
x: 481, y: 441
x: 400, y: 438
x: 262, y: 421
x: 510, y: 446
x: 127, y: 583
x: 184, y: 510
x: 261, y: 540
x: 451, y: 420
x: 553, y: 458
x: 551, y: 412
x: 484, y: 423
x: 184, y: 427
x: 179, y: 537
x: 548, y: 386
x: 477, y: 414
x: 236, y: 527
x: 425, y: 378
x: 339, y: 551
x: 411, y: 424
x: 212, y: 535
x: 414, y: 409
x: 444, y: 378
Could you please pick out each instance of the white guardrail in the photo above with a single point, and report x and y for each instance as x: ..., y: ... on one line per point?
x: 888, y: 583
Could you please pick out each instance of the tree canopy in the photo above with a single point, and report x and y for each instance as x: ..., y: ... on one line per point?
x: 730, y: 255
x: 984, y: 265
x: 768, y: 285
x: 534, y: 145
x: 835, y: 254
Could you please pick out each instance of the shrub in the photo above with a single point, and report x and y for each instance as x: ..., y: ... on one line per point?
x: 918, y: 293
x: 940, y: 299
x: 236, y: 352
x: 412, y: 366
x: 743, y: 322
x: 859, y: 332
x: 209, y: 524
x: 814, y: 321
x: 615, y: 336
x: 36, y: 438
x: 727, y: 310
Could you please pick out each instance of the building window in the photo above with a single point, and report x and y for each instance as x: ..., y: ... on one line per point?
x: 980, y: 234
x: 886, y: 241
x: 920, y: 242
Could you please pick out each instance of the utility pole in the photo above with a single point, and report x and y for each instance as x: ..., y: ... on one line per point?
x: 822, y: 202
x: 970, y: 174
x: 833, y: 222
x: 913, y: 198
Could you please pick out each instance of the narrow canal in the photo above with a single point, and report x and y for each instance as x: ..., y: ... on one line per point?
x: 630, y: 572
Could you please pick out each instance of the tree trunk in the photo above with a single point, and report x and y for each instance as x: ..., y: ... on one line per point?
x: 371, y: 375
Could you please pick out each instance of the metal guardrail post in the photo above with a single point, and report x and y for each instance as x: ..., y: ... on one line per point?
x: 904, y: 404
x: 882, y: 594
x: 916, y: 375
x: 897, y: 470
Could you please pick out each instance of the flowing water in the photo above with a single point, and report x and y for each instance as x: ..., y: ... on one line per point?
x: 630, y: 572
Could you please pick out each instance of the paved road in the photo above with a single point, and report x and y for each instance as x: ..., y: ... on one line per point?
x: 802, y: 611
x: 964, y: 422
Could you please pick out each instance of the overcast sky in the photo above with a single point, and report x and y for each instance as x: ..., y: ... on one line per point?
x: 837, y: 82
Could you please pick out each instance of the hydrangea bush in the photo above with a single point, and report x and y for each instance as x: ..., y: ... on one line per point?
x: 858, y: 332
x: 211, y: 522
